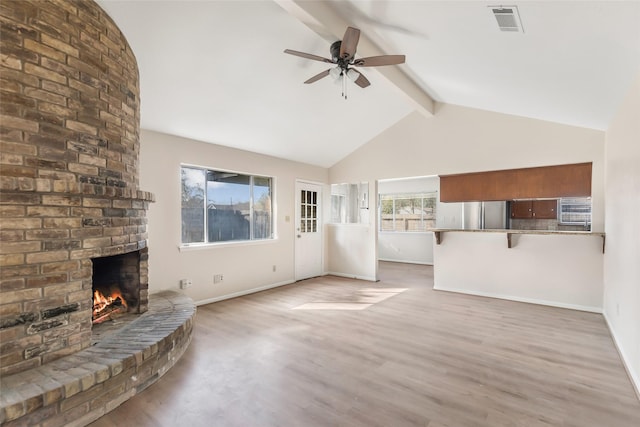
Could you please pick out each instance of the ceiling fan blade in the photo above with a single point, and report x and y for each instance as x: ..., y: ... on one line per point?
x: 375, y: 61
x: 362, y: 81
x: 318, y: 76
x: 349, y: 43
x: 308, y: 56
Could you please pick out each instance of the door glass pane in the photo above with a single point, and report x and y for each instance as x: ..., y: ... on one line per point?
x: 308, y: 211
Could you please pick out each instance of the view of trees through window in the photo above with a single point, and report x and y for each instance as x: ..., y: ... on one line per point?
x: 237, y: 206
x: 407, y: 212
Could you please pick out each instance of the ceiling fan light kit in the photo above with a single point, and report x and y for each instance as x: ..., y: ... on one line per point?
x: 343, y: 55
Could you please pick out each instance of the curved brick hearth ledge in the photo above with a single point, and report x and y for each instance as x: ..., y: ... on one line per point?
x: 77, y: 389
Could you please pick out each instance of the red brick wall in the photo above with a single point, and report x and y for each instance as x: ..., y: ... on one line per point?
x: 69, y: 135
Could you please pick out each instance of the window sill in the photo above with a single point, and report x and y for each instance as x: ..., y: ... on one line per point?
x: 208, y: 246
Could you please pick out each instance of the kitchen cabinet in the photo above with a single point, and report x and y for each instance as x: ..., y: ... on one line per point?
x: 521, y: 209
x: 534, y: 209
x: 545, y: 182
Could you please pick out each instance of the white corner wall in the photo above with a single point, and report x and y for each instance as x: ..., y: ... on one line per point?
x: 412, y: 247
x: 246, y: 267
x: 622, y: 225
x: 459, y: 139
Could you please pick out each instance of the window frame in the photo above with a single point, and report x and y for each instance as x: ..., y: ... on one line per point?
x: 413, y: 195
x: 206, y: 202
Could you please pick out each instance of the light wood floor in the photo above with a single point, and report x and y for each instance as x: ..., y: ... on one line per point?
x: 418, y: 358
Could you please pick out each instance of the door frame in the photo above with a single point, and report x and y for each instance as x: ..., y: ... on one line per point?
x: 296, y: 222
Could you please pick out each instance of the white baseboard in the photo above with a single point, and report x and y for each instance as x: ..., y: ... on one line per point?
x: 405, y: 262
x: 245, y: 292
x: 633, y: 376
x: 527, y: 300
x: 353, y: 276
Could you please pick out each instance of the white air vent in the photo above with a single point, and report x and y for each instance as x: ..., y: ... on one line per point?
x: 508, y: 18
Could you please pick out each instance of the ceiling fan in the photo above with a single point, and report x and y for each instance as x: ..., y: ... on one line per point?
x: 343, y: 55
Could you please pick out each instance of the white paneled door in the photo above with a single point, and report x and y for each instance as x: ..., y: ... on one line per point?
x: 308, y: 251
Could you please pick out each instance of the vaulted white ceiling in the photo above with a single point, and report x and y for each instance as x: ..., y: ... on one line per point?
x: 215, y: 71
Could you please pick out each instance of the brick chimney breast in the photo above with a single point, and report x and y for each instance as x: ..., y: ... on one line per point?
x: 69, y: 135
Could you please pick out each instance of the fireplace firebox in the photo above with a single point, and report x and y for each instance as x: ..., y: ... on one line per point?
x: 119, y: 285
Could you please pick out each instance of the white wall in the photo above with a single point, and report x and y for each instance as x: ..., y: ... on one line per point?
x: 350, y: 253
x: 559, y: 270
x: 245, y: 266
x: 413, y: 247
x: 459, y: 139
x: 349, y: 250
x: 622, y: 225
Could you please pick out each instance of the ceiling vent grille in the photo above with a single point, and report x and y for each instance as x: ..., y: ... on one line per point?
x: 508, y: 18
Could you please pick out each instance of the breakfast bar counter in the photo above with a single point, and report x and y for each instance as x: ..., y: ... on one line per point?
x: 439, y: 232
x: 556, y: 268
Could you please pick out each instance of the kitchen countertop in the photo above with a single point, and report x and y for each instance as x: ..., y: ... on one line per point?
x: 510, y: 231
x: 437, y: 232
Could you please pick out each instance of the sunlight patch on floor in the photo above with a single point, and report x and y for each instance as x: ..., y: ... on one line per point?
x: 359, y: 300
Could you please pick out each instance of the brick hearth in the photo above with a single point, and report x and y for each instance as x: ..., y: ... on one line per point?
x: 77, y: 389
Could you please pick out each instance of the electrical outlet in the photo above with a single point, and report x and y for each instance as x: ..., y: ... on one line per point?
x: 274, y: 268
x: 217, y: 278
x: 185, y: 283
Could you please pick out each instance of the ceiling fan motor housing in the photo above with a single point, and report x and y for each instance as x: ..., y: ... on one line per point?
x: 335, y: 51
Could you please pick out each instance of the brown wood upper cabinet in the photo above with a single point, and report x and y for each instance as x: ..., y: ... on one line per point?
x: 546, y: 182
x: 534, y: 209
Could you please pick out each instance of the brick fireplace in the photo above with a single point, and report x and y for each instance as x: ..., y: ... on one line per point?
x: 73, y: 220
x: 70, y: 197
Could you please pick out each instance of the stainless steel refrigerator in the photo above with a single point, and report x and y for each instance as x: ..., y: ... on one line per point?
x: 484, y: 215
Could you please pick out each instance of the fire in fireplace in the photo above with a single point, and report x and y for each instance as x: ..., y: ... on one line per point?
x: 105, y: 306
x: 116, y: 285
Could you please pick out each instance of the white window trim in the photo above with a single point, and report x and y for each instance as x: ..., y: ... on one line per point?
x: 209, y: 245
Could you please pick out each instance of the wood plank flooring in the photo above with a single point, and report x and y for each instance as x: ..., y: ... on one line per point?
x: 417, y: 358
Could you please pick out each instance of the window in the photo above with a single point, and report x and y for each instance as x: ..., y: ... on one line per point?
x: 349, y: 203
x: 220, y: 206
x: 575, y: 211
x: 407, y: 212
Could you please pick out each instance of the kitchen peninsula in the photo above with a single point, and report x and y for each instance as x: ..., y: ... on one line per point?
x: 540, y: 253
x: 556, y: 268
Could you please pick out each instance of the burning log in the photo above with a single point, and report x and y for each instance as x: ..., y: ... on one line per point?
x: 105, y: 306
